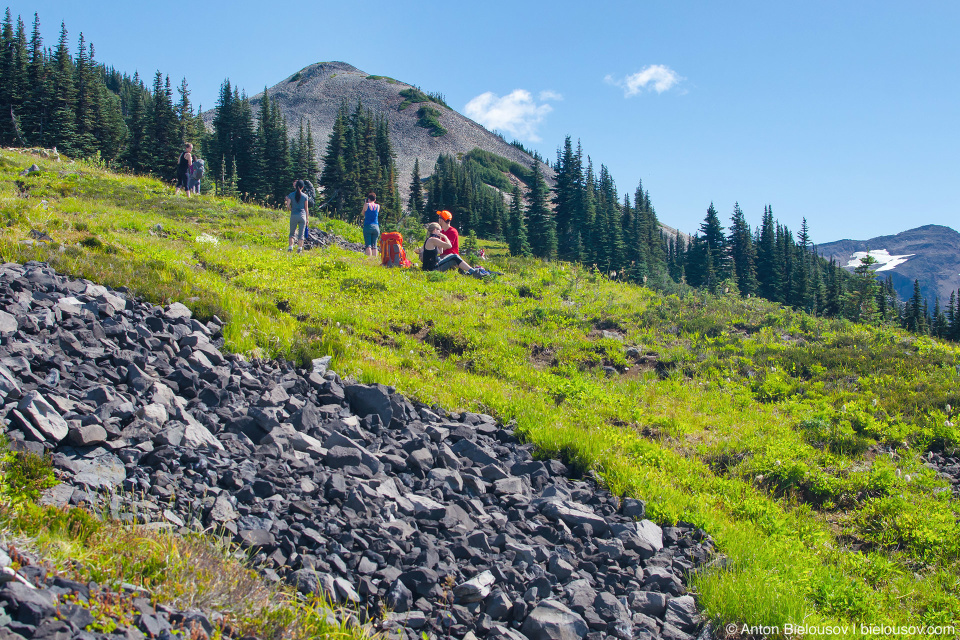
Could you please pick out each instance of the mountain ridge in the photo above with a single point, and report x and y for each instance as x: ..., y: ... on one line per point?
x: 315, y: 93
x: 929, y: 253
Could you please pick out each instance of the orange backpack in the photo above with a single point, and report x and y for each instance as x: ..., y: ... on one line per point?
x: 391, y: 250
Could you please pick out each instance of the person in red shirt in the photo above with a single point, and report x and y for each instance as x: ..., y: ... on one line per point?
x: 449, y: 232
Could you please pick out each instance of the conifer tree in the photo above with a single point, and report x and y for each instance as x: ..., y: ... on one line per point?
x: 63, y: 93
x: 517, y: 235
x: 743, y: 254
x: 541, y: 229
x: 85, y: 76
x: 416, y: 191
x: 36, y: 113
x: 769, y: 268
x: 915, y: 316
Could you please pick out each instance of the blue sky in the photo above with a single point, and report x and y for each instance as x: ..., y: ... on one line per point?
x: 843, y: 112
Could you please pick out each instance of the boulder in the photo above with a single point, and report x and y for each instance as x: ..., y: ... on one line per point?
x: 552, y: 620
x: 43, y: 416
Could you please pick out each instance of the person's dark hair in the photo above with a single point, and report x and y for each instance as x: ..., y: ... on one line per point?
x: 299, y: 187
x: 372, y: 197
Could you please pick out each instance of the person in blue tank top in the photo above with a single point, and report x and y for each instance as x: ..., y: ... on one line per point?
x: 371, y: 224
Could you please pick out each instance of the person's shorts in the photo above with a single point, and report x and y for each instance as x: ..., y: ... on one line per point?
x: 298, y: 222
x: 181, y: 181
x: 371, y: 233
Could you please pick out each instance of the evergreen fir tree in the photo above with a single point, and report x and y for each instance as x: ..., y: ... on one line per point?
x: 862, y: 300
x: 416, y: 203
x: 769, y: 268
x: 743, y: 254
x: 62, y: 126
x: 36, y: 113
x: 517, y: 236
x: 541, y: 225
x: 87, y: 107
x: 915, y: 316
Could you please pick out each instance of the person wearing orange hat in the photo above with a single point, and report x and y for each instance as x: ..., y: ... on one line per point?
x: 449, y: 232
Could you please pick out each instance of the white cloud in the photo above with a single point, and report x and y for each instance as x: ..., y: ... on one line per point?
x: 515, y: 113
x: 655, y: 77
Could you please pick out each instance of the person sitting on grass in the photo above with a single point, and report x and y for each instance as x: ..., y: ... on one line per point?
x: 450, y: 232
x: 430, y: 253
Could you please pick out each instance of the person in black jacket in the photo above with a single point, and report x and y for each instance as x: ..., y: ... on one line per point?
x: 183, y: 169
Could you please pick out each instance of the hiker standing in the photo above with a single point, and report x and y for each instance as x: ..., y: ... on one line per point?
x: 311, y: 193
x: 371, y: 224
x: 196, y: 174
x: 183, y: 169
x: 297, y: 203
x: 449, y: 232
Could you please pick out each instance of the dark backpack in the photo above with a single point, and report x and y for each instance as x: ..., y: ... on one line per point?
x: 197, y: 172
x: 310, y: 191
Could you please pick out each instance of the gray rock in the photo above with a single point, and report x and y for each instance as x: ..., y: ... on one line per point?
x: 649, y: 603
x: 580, y: 595
x: 177, y: 311
x: 345, y: 591
x: 559, y: 568
x: 154, y: 413
x: 552, y: 620
x: 172, y: 435
x: 105, y: 471
x: 476, y: 588
x: 633, y: 508
x: 509, y: 486
x: 43, y: 416
x: 409, y: 619
x: 610, y: 608
x: 670, y: 632
x: 369, y: 460
x: 86, y: 435
x: 651, y: 538
x: 367, y: 399
x: 399, y: 598
x: 308, y: 581
x: 320, y: 365
x: 498, y: 605
x: 222, y: 511
x: 8, y: 324
x: 573, y: 514
x: 9, y: 387
x: 682, y: 613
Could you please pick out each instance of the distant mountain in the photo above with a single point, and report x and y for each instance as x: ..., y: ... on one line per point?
x: 930, y: 254
x: 316, y: 92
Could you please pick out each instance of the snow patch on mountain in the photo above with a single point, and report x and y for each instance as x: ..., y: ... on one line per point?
x: 883, y: 258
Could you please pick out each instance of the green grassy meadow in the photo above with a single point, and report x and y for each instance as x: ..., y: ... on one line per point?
x: 794, y: 441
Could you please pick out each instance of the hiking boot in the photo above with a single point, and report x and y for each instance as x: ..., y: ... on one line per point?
x: 289, y: 249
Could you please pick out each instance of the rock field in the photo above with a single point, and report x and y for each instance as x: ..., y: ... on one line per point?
x: 418, y: 519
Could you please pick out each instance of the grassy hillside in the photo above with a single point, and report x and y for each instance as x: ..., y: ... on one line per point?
x: 795, y: 441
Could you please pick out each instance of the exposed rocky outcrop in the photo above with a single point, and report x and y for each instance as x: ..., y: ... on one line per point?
x: 420, y: 519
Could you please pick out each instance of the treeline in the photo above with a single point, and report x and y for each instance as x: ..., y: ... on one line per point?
x: 916, y: 315
x: 583, y: 219
x: 50, y: 98
x: 253, y: 158
x: 359, y: 158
